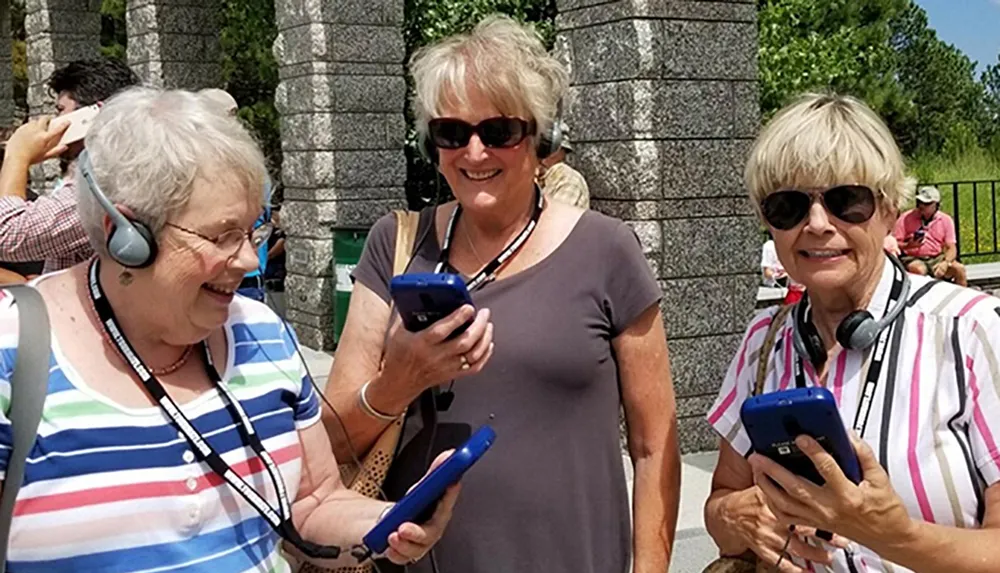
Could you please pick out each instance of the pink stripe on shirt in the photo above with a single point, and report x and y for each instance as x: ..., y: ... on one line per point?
x: 977, y: 413
x: 838, y: 380
x: 911, y: 453
x: 971, y: 304
x: 731, y: 397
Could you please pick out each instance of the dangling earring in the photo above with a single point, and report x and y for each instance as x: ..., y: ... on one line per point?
x: 125, y: 278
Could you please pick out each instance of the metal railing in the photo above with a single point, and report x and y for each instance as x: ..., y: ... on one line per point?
x: 976, y: 232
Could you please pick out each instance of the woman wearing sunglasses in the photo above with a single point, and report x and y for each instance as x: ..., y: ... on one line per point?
x: 566, y: 330
x: 922, y: 394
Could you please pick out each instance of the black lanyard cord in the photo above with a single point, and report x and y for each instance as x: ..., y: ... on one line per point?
x: 878, y: 357
x: 280, y: 518
x: 489, y: 272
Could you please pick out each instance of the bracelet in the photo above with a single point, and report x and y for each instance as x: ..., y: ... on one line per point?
x: 368, y: 407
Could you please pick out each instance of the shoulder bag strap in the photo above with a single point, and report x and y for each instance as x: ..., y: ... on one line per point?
x: 28, y: 386
x: 367, y: 479
x: 765, y: 350
x: 406, y: 233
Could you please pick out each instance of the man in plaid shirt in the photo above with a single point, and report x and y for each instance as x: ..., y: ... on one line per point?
x: 49, y: 229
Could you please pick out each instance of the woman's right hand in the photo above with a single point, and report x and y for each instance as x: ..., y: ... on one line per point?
x: 420, y: 360
x: 763, y: 535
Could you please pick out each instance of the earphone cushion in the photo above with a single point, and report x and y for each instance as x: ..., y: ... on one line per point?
x: 428, y: 150
x: 858, y: 330
x: 132, y: 246
x: 550, y: 142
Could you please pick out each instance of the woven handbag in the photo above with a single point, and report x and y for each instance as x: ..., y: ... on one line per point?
x: 748, y: 562
x: 367, y: 478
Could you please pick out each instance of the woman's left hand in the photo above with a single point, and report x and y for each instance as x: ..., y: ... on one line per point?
x: 411, y: 542
x: 865, y: 513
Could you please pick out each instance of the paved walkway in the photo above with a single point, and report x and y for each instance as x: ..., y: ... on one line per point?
x: 693, y: 548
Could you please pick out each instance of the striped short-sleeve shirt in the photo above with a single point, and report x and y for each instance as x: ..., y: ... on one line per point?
x: 110, y: 488
x: 935, y: 418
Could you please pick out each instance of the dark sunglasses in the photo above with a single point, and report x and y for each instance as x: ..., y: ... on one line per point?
x: 449, y: 133
x: 850, y: 203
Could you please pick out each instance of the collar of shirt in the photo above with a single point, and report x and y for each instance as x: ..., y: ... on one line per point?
x: 880, y: 299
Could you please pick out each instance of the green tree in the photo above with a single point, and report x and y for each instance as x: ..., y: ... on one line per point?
x: 250, y: 72
x: 839, y: 45
x: 991, y: 85
x: 113, y: 35
x: 885, y: 52
x: 947, y: 113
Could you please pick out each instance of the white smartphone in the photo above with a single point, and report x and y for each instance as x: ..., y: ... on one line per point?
x: 79, y: 123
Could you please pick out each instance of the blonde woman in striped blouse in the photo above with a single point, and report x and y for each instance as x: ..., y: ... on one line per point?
x: 828, y: 179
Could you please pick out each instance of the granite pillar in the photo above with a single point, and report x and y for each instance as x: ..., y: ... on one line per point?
x: 57, y: 32
x: 175, y: 43
x: 7, y: 111
x: 341, y: 99
x: 663, y: 108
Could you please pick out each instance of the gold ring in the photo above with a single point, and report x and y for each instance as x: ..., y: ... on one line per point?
x: 465, y: 362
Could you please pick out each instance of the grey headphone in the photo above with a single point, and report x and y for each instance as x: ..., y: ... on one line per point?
x: 130, y: 243
x: 551, y: 141
x: 858, y: 331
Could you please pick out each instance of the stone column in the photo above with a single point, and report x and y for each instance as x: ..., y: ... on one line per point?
x: 57, y: 32
x: 663, y: 108
x: 341, y: 99
x: 6, y: 68
x: 175, y: 43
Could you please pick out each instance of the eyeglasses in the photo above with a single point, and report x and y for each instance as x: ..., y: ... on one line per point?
x: 450, y: 133
x: 850, y: 203
x: 230, y: 241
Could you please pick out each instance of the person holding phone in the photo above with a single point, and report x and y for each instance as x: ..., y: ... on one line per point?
x: 181, y: 429
x: 912, y: 364
x: 926, y: 237
x: 565, y: 330
x: 48, y: 229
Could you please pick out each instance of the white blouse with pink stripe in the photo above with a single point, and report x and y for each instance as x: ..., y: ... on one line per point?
x: 935, y: 420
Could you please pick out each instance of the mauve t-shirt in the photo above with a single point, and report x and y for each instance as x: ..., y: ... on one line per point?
x: 550, y: 495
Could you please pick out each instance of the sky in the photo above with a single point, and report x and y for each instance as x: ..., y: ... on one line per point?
x: 972, y: 26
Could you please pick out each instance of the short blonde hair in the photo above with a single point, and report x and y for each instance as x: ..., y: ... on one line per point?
x: 505, y: 60
x: 147, y: 146
x: 827, y: 139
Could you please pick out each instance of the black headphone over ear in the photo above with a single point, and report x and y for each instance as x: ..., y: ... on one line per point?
x: 858, y: 331
x: 427, y: 148
x: 130, y: 243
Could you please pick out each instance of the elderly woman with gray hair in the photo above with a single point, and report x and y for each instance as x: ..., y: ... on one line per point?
x: 180, y: 427
x: 566, y: 330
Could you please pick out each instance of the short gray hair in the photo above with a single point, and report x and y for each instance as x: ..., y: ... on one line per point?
x: 504, y: 59
x: 147, y: 146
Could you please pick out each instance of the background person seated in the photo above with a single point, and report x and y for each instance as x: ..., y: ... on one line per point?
x: 926, y: 238
x: 772, y: 272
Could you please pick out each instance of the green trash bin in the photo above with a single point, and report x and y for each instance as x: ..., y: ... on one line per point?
x: 347, y: 247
